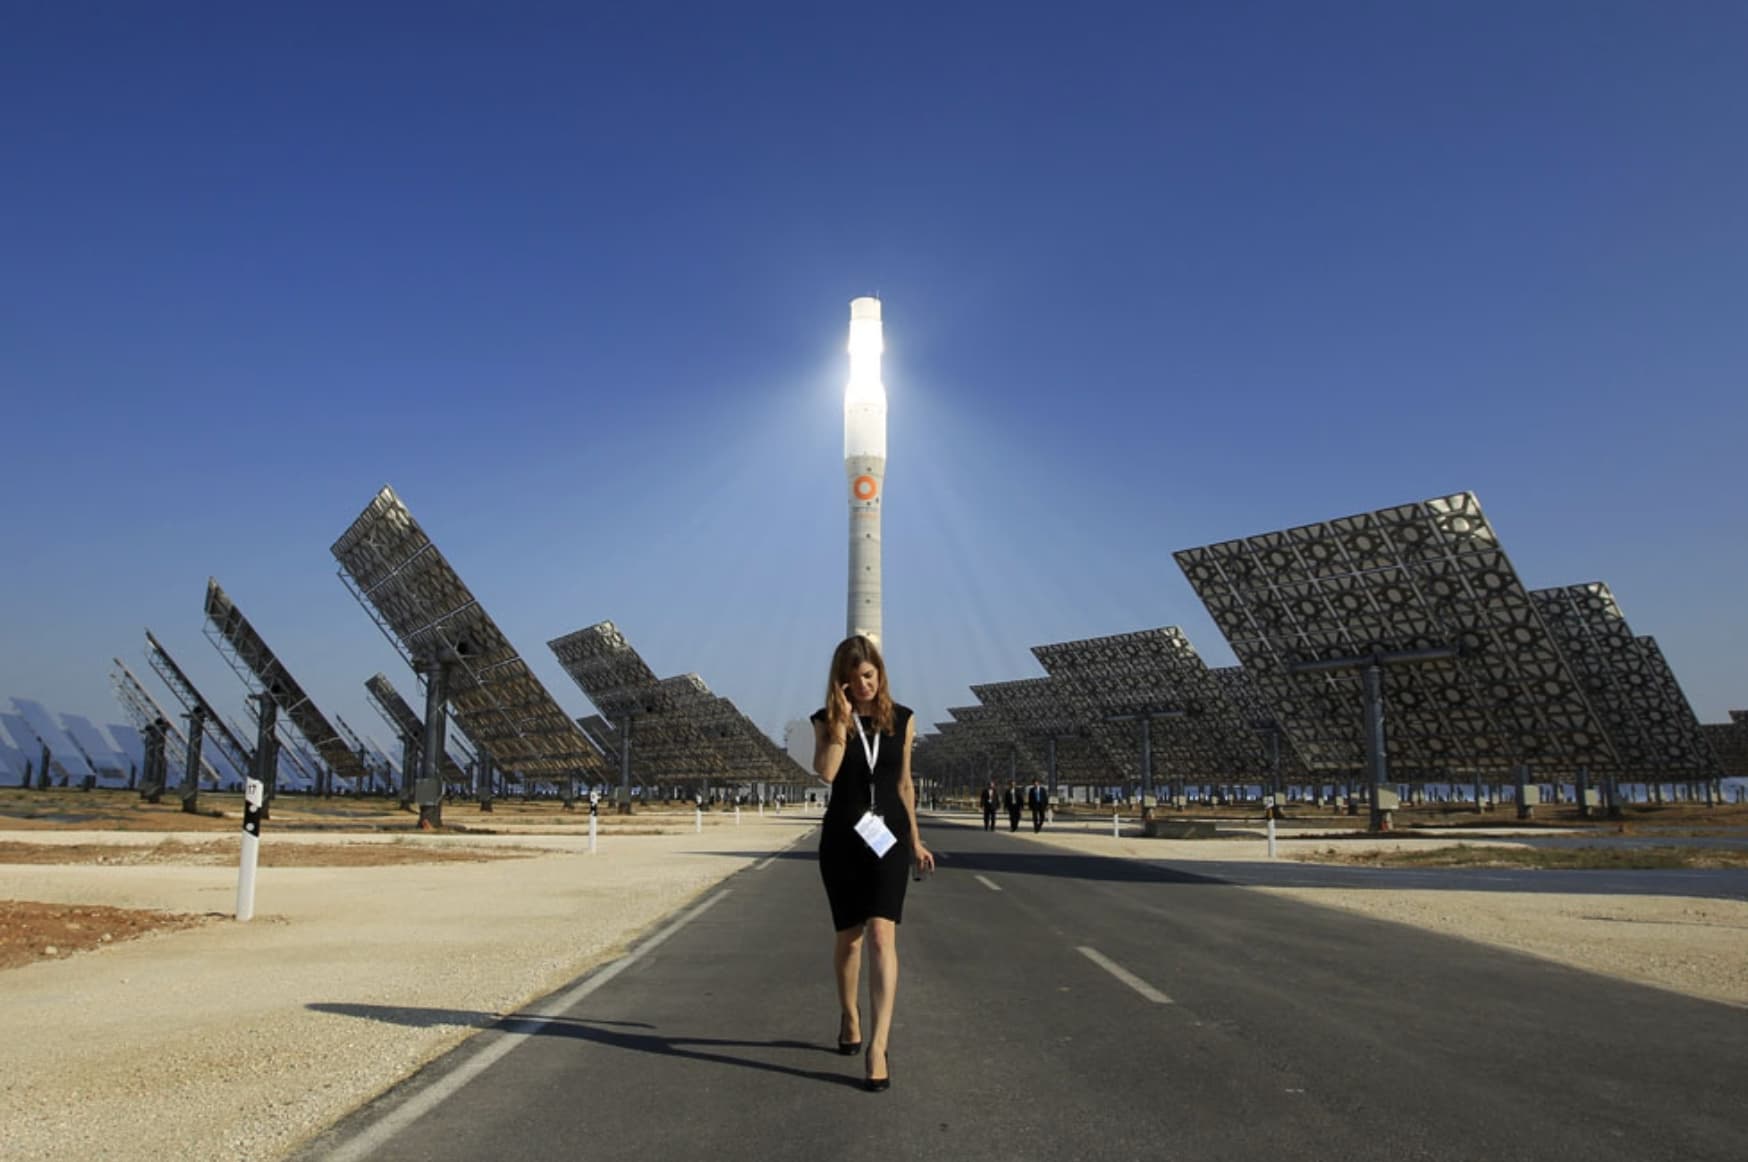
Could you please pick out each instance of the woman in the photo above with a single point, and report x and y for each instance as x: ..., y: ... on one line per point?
x: 861, y: 748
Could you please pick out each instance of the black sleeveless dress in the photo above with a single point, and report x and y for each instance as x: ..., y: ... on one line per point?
x: 859, y: 884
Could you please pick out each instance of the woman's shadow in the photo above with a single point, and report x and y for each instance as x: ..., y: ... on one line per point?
x: 615, y: 1034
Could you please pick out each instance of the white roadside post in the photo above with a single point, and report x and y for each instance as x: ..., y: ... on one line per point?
x: 1269, y: 803
x: 737, y: 815
x: 254, y: 794
x: 594, y: 818
x: 1116, y: 829
x: 698, y: 820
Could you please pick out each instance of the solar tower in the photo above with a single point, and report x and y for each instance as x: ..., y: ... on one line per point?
x: 865, y: 465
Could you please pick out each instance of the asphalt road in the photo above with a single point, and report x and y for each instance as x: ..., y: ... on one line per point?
x: 1055, y: 1005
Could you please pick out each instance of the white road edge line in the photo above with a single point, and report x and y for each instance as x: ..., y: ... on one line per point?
x: 765, y: 863
x: 1125, y: 975
x: 417, y: 1107
x: 988, y: 883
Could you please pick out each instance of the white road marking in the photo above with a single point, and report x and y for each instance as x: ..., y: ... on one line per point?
x: 1125, y: 975
x: 761, y: 866
x: 381, y: 1132
x: 989, y: 883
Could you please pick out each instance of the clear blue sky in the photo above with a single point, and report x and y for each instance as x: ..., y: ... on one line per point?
x: 575, y: 280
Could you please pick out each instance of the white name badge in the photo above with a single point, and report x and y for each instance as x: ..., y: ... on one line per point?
x: 875, y: 833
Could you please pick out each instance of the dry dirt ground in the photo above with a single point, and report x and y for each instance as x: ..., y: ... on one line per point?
x: 33, y: 931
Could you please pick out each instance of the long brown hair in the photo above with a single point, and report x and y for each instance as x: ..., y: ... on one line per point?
x: 846, y: 660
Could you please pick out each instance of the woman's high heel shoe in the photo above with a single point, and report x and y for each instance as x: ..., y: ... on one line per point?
x: 847, y: 1048
x: 878, y: 1084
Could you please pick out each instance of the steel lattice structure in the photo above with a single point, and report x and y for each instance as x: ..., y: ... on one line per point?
x: 291, y: 762
x: 1418, y: 577
x: 428, y: 614
x: 680, y: 728
x: 1672, y: 722
x: 1034, y: 708
x: 1253, y: 712
x: 1638, y: 701
x: 730, y: 733
x: 968, y: 750
x: 368, y: 755
x: 665, y: 743
x: 1729, y: 741
x: 262, y: 672
x: 142, y: 710
x: 1154, y: 671
x: 405, y: 721
x: 993, y: 732
x: 606, y: 668
x: 601, y: 732
x: 952, y: 752
x: 240, y: 756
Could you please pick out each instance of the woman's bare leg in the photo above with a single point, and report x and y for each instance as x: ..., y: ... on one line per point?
x: 847, y: 960
x: 882, y: 989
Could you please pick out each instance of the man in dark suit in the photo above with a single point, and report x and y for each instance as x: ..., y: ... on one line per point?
x: 1038, y: 799
x: 991, y: 801
x: 1013, y: 799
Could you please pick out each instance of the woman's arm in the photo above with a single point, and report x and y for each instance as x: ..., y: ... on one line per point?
x: 907, y: 794
x: 828, y: 752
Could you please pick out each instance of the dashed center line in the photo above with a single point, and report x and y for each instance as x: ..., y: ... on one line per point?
x: 989, y: 883
x: 1125, y: 975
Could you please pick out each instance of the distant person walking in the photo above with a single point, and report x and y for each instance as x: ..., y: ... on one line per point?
x: 1038, y: 799
x: 991, y: 801
x: 861, y: 748
x: 1013, y: 800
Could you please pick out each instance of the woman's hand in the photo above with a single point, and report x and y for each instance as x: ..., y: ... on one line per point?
x: 925, y: 859
x: 839, y: 711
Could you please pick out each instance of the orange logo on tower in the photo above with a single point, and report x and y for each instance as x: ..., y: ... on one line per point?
x: 865, y: 487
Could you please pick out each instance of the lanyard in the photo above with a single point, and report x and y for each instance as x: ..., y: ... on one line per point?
x: 871, y: 753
